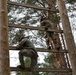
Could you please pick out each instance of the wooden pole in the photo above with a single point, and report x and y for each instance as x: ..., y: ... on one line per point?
x: 64, y: 46
x: 68, y: 34
x: 4, y: 51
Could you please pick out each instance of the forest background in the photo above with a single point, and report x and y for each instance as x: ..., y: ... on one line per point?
x: 31, y: 17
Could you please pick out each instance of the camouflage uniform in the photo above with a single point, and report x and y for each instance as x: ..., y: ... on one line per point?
x: 48, y: 24
x: 27, y: 49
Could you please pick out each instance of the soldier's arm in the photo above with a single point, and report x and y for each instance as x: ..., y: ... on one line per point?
x: 20, y: 45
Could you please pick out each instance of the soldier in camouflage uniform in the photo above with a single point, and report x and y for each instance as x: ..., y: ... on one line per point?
x: 27, y: 49
x: 50, y: 35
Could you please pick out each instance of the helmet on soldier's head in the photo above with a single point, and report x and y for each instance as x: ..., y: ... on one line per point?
x: 22, y: 37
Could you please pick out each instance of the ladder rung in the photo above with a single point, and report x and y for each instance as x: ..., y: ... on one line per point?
x: 42, y: 50
x: 42, y: 69
x: 34, y: 28
x: 31, y: 6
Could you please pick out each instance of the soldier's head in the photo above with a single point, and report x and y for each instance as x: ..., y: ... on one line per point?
x: 22, y: 37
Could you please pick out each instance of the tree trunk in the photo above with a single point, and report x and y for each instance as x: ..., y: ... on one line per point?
x: 4, y: 50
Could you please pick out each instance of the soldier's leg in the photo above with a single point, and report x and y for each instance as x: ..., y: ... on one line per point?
x: 28, y: 52
x: 23, y: 53
x: 21, y: 58
x: 33, y: 63
x: 47, y: 42
x: 56, y: 44
x: 32, y: 66
x: 22, y: 65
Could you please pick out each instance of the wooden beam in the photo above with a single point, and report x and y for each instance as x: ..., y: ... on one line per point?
x: 4, y: 50
x: 31, y: 6
x: 65, y: 70
x: 68, y: 34
x: 41, y: 50
x: 34, y: 28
